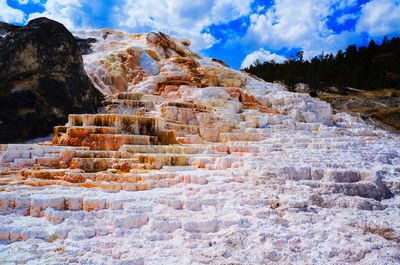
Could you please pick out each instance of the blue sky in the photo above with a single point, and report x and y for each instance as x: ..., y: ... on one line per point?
x: 237, y: 31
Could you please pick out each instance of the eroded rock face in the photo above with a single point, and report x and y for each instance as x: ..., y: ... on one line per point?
x: 85, y: 45
x: 42, y: 80
x: 6, y: 28
x: 197, y: 163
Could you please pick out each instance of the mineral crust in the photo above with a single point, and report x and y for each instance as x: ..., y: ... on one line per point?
x: 191, y: 162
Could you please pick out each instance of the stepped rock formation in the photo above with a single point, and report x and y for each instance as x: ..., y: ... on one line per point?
x: 191, y: 162
x: 42, y: 80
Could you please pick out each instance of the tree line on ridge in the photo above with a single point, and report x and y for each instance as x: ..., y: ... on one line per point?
x: 376, y: 66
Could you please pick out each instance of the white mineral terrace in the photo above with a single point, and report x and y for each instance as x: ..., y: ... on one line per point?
x: 191, y: 162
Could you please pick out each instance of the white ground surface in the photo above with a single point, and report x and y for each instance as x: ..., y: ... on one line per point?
x: 251, y: 214
x: 316, y: 189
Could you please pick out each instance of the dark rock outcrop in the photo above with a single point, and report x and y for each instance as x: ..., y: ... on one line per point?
x: 42, y: 80
x: 6, y: 28
x: 85, y: 45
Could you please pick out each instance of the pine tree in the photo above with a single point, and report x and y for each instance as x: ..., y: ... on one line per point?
x: 372, y: 67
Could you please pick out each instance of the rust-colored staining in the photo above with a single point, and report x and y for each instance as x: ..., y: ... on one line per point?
x: 167, y: 137
x: 275, y: 205
x: 74, y: 178
x: 263, y: 109
x: 115, y: 32
x: 241, y: 96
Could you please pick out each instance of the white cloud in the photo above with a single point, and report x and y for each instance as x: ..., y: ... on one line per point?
x: 181, y: 19
x: 342, y: 19
x: 9, y: 14
x: 262, y: 56
x: 379, y: 18
x: 24, y: 2
x: 298, y: 24
x: 67, y: 12
x: 174, y: 17
x: 292, y: 24
x: 342, y: 4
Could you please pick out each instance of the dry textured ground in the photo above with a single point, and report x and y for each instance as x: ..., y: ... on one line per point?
x: 191, y: 162
x: 382, y: 105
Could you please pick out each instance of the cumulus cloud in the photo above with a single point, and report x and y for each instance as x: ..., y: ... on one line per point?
x: 74, y: 14
x: 262, y: 56
x: 24, y: 2
x: 287, y: 25
x: 379, y: 18
x: 344, y: 18
x: 342, y: 4
x: 298, y: 24
x: 174, y: 17
x: 181, y: 19
x: 9, y: 14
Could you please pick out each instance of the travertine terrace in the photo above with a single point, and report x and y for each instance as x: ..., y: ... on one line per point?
x: 191, y: 162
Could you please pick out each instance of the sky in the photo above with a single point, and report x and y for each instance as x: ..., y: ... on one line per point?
x: 236, y: 31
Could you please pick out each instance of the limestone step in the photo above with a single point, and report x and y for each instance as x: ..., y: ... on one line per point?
x: 109, y: 181
x: 101, y: 164
x: 157, y: 161
x: 130, y: 104
x: 185, y: 105
x: 43, y: 173
x: 74, y: 177
x: 130, y: 96
x: 251, y: 130
x: 115, y: 141
x: 3, y: 147
x: 82, y: 131
x: 48, y: 161
x: 109, y: 142
x: 364, y: 189
x: 170, y: 149
x: 20, y: 155
x: 7, y: 172
x: 101, y: 154
x: 23, y: 162
x: 115, y: 186
x: 38, y: 147
x: 126, y: 123
x: 167, y: 137
x: 227, y: 137
x: 182, y: 129
x: 190, y: 139
x: 120, y: 177
x: 178, y: 168
x: 153, y: 98
x: 59, y: 129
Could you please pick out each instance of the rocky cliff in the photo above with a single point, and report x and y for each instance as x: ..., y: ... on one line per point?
x: 42, y: 79
x: 192, y: 162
